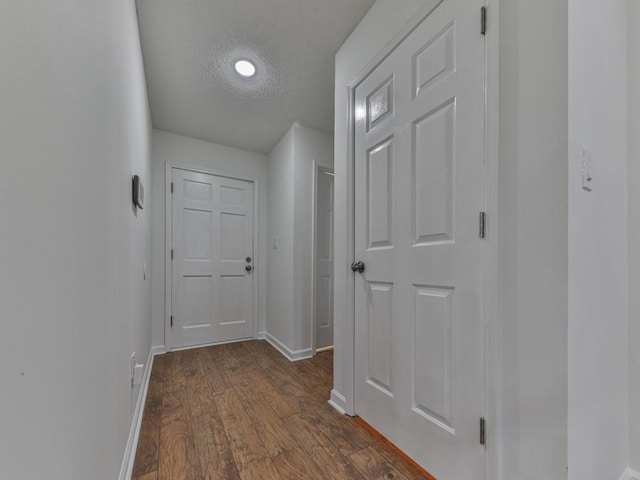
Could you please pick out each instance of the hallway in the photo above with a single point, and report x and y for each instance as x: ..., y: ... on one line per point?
x: 242, y: 411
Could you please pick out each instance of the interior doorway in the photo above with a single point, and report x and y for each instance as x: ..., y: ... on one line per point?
x: 323, y: 259
x: 418, y: 129
x: 212, y: 258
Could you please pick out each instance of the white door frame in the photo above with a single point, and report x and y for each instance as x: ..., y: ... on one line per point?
x: 168, y: 273
x: 492, y: 322
x: 317, y: 168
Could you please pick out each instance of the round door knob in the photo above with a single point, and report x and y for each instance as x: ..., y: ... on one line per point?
x: 248, y: 259
x: 248, y: 268
x: 357, y: 267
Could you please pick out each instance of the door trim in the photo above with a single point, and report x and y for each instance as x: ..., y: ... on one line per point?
x: 317, y: 168
x: 492, y: 322
x: 168, y: 272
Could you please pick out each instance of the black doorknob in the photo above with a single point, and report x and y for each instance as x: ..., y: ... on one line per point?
x: 248, y: 268
x: 248, y: 259
x: 357, y: 267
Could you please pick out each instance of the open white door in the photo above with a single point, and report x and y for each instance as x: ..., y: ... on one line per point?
x: 212, y: 266
x: 324, y: 260
x: 419, y: 190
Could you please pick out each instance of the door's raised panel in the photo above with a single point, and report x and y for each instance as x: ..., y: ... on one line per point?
x: 325, y: 300
x: 198, y: 190
x: 325, y: 227
x: 434, y: 61
x: 232, y: 236
x: 231, y: 299
x: 433, y: 176
x: 232, y: 195
x: 380, y: 195
x: 433, y: 366
x: 380, y: 104
x: 198, y: 231
x: 380, y: 311
x: 196, y: 302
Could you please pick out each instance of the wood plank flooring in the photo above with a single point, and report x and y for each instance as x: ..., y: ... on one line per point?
x: 242, y: 412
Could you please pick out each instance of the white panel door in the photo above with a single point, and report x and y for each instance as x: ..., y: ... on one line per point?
x: 212, y: 278
x: 419, y: 167
x: 324, y: 259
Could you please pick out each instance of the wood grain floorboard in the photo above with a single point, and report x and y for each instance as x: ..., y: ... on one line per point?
x: 270, y: 426
x: 342, y: 434
x: 148, y: 476
x: 373, y: 466
x: 295, y: 464
x: 215, y: 458
x: 177, y: 447
x: 322, y: 451
x: 211, y: 371
x: 246, y: 446
x: 242, y: 411
x: 261, y: 470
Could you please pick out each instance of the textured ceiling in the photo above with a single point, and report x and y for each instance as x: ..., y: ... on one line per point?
x: 189, y: 47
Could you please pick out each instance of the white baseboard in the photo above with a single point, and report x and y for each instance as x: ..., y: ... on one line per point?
x: 159, y: 350
x: 338, y: 402
x: 126, y: 469
x: 630, y: 475
x: 261, y: 336
x: 291, y: 355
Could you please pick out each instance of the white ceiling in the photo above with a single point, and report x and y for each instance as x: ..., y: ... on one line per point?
x: 189, y: 47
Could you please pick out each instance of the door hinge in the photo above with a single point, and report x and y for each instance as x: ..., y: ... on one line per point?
x: 172, y: 254
x: 483, y: 219
x: 483, y: 20
x: 171, y: 321
x: 483, y: 427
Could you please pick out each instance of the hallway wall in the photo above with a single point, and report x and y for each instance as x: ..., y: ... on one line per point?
x: 290, y: 293
x: 598, y: 262
x: 178, y: 149
x: 633, y: 16
x: 74, y: 128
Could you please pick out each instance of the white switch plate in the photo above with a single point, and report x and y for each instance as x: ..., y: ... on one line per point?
x: 587, y: 170
x: 275, y: 243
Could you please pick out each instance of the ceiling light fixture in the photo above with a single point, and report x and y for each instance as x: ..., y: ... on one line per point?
x: 245, y: 68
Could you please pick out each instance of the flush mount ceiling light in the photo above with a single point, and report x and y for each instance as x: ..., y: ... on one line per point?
x: 245, y: 68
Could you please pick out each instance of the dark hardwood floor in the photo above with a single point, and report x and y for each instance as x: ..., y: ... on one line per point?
x: 242, y: 411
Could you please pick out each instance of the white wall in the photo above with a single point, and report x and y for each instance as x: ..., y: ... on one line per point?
x: 170, y: 148
x: 74, y: 127
x: 291, y: 189
x: 598, y: 291
x: 533, y: 239
x: 280, y: 260
x: 633, y: 16
x: 532, y: 343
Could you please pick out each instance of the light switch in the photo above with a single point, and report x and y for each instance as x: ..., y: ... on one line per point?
x: 587, y: 170
x: 275, y: 243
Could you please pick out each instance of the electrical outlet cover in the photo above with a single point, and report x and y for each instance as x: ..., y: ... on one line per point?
x: 137, y: 374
